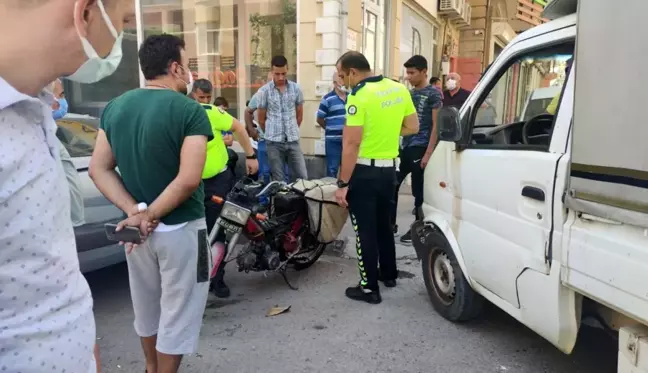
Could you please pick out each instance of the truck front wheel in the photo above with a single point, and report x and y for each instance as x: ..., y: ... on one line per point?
x: 449, y: 292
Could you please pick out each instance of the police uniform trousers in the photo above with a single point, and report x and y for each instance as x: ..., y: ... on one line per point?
x: 370, y: 194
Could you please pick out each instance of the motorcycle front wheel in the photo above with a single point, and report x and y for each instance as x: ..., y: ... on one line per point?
x: 310, y: 251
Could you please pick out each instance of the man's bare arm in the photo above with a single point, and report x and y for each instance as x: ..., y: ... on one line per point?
x: 351, y: 139
x: 242, y: 136
x: 105, y: 177
x: 434, y: 132
x: 300, y: 114
x: 410, y: 125
x: 192, y: 162
x: 262, y: 118
x: 321, y: 122
x: 249, y: 122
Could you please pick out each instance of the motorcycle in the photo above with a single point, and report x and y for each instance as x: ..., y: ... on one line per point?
x: 273, y: 219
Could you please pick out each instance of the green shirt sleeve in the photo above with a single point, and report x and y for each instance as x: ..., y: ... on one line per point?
x: 409, y: 104
x: 104, y: 116
x: 196, y: 121
x: 219, y: 119
x: 355, y: 111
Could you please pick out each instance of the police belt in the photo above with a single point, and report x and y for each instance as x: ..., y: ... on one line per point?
x: 378, y: 162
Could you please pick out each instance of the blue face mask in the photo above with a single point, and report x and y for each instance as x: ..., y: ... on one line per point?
x: 62, y: 110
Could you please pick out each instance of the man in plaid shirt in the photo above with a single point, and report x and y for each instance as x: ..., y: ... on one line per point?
x: 281, y: 110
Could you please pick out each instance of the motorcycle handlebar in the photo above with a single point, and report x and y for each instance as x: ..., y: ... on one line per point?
x: 271, y: 184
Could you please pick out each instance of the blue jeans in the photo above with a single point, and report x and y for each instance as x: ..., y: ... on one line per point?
x: 333, y: 148
x: 264, y: 164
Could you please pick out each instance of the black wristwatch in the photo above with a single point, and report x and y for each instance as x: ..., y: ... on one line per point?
x: 342, y: 184
x: 253, y: 156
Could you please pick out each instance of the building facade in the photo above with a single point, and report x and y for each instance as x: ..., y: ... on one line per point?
x: 231, y: 43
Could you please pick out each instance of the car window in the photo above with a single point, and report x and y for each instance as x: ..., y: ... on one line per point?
x: 78, y: 135
x: 507, y: 104
x: 536, y: 107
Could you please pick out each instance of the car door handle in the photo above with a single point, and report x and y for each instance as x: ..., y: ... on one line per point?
x: 533, y: 193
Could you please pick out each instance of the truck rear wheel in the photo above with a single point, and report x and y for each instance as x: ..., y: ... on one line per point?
x: 448, y: 289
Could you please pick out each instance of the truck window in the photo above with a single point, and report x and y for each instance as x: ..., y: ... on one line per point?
x: 518, y: 108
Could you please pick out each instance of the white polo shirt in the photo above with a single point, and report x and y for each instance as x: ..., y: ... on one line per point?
x: 46, y: 320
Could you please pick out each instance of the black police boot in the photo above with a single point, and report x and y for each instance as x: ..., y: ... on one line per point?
x: 388, y: 283
x: 218, y: 286
x: 406, y: 238
x: 364, y: 295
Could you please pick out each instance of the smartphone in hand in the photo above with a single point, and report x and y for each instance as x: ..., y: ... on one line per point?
x: 127, y: 234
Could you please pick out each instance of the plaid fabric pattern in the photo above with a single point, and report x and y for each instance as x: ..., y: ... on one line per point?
x: 281, y: 114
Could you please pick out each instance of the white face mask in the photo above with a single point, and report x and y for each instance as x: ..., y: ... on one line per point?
x: 451, y: 84
x: 190, y: 84
x: 97, y: 68
x: 344, y: 89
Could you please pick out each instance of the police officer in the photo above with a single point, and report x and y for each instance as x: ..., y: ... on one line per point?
x: 379, y: 111
x: 218, y: 180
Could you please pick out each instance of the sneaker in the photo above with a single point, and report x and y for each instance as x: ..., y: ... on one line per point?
x: 406, y: 238
x: 364, y: 295
x: 220, y: 289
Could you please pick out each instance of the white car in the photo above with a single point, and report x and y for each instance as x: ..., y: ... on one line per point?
x: 78, y: 134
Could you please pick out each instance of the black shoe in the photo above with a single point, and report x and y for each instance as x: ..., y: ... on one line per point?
x: 406, y: 238
x: 220, y: 289
x: 387, y: 283
x: 395, y: 229
x: 365, y: 295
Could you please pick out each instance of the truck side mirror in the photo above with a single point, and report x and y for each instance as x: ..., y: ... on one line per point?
x: 449, y: 124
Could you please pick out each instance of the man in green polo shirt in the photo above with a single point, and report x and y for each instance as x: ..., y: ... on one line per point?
x: 379, y: 111
x: 218, y: 179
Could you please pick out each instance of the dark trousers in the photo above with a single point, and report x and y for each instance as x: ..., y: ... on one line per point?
x: 333, y: 148
x: 410, y: 162
x: 218, y: 185
x: 370, y: 190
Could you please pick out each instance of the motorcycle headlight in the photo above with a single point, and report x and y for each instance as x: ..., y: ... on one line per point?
x: 235, y: 213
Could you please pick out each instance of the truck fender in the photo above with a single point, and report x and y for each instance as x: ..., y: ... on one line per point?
x: 437, y: 222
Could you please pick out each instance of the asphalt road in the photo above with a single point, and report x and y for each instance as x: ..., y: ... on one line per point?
x: 325, y: 332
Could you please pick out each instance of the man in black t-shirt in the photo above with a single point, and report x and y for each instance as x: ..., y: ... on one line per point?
x: 454, y: 95
x: 416, y: 149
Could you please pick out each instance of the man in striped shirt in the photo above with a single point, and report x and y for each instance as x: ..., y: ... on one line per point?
x: 331, y: 117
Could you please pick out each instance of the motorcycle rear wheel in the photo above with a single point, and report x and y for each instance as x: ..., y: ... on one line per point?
x: 307, y: 255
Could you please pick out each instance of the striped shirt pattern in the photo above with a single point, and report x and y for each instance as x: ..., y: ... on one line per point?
x: 332, y: 110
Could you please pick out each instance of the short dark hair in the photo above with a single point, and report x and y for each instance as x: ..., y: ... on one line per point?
x: 354, y: 60
x: 279, y: 61
x: 417, y: 62
x: 158, y: 52
x: 434, y: 80
x: 221, y: 101
x: 203, y: 84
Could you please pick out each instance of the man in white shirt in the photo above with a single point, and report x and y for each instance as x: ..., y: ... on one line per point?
x: 46, y: 320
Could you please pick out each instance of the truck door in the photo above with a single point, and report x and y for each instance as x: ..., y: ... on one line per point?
x: 505, y: 170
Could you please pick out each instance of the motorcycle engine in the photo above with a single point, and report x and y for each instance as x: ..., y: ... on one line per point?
x: 271, y: 259
x: 259, y: 258
x: 247, y: 262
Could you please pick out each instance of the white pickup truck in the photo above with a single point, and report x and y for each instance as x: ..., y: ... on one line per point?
x: 547, y: 217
